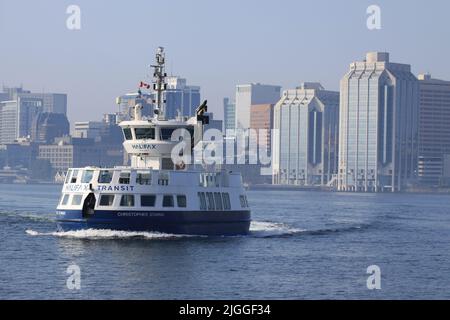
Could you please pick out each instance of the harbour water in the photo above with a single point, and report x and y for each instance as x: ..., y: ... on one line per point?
x: 303, y: 245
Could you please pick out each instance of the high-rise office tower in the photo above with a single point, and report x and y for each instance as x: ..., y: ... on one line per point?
x: 51, y: 102
x: 181, y: 99
x: 48, y: 126
x: 253, y: 94
x: 16, y: 118
x: 434, y: 130
x: 305, y: 146
x: 18, y: 109
x: 261, y: 120
x: 379, y: 108
x: 229, y: 115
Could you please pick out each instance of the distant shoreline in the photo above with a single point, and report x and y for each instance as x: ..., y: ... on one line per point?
x: 270, y: 187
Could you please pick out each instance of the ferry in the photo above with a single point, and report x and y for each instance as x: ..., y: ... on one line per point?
x: 156, y: 193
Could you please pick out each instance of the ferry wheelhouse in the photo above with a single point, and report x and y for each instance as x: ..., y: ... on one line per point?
x: 155, y: 193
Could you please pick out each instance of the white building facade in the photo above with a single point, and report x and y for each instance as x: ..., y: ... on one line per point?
x: 305, y: 140
x: 379, y: 108
x: 253, y: 94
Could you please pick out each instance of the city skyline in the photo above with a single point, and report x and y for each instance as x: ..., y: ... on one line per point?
x: 54, y: 59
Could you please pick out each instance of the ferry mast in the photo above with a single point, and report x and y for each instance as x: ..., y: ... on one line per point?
x: 159, y: 84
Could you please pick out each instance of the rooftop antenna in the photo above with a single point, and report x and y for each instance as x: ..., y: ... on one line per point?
x: 159, y: 83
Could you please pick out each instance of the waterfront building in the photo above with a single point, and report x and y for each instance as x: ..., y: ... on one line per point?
x: 305, y: 146
x: 48, y: 126
x: 252, y: 94
x: 434, y: 131
x: 68, y: 152
x: 229, y: 115
x: 181, y: 99
x: 379, y: 108
x: 19, y: 108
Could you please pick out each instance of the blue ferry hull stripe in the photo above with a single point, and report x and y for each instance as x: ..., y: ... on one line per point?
x: 187, y: 222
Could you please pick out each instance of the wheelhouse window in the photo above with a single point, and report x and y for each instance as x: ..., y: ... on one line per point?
x: 105, y: 176
x: 210, y: 197
x: 127, y: 200
x: 148, y: 200
x: 181, y: 201
x: 87, y: 176
x: 106, y: 200
x: 243, y: 201
x: 76, y: 199
x: 166, y: 133
x: 202, y: 199
x: 143, y: 178
x: 127, y: 134
x: 218, y: 200
x: 124, y: 178
x: 226, y: 201
x: 144, y: 133
x: 168, y: 201
x: 68, y: 174
x: 74, y: 177
x: 64, y: 200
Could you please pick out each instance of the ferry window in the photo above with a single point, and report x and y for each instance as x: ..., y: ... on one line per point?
x: 124, y: 178
x: 144, y: 133
x: 143, y: 178
x: 226, y: 201
x: 148, y: 200
x: 87, y: 176
x: 74, y: 176
x: 68, y: 174
x: 64, y: 200
x: 127, y: 134
x: 76, y: 200
x: 106, y: 200
x: 127, y: 200
x: 105, y: 176
x: 168, y: 201
x: 218, y: 199
x: 181, y: 201
x: 243, y: 201
x: 201, y: 196
x: 166, y: 133
x: 210, y: 197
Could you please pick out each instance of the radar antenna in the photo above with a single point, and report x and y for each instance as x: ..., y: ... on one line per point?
x: 159, y: 83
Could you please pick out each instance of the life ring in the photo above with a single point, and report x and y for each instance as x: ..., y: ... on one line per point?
x: 181, y: 166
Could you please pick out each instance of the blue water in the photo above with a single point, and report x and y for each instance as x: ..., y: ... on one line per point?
x: 304, y: 245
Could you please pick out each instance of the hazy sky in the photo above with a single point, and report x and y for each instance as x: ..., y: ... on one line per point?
x: 214, y: 44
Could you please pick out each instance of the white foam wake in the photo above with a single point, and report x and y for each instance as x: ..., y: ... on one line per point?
x: 272, y: 229
x: 257, y: 229
x: 95, y: 234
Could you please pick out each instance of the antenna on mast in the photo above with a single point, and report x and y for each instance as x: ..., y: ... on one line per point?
x: 159, y: 83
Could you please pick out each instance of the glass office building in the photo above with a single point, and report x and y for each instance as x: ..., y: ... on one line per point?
x: 434, y: 131
x: 378, y: 144
x: 229, y: 115
x: 181, y: 99
x: 305, y: 139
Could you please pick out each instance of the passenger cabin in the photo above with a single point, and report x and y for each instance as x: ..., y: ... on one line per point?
x: 127, y: 189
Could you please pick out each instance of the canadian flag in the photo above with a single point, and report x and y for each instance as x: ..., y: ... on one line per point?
x: 144, y: 85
